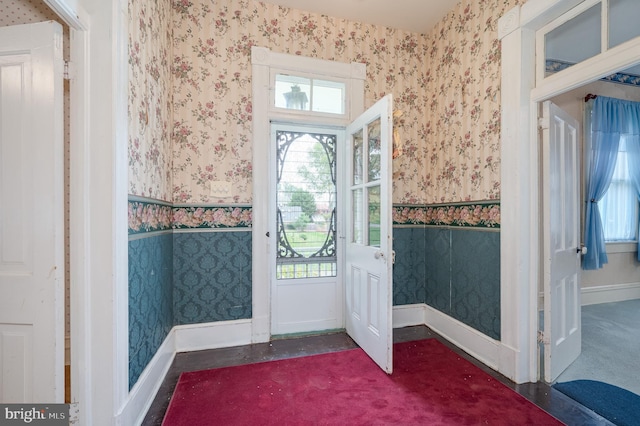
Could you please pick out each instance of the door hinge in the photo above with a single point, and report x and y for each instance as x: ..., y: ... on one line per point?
x: 74, y: 413
x: 542, y: 338
x: 69, y: 71
x: 543, y: 123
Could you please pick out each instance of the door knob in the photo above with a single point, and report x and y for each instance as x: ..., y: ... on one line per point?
x: 582, y: 249
x: 378, y: 254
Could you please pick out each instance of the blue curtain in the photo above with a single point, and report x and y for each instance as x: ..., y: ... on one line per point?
x: 605, y: 138
x: 609, y: 119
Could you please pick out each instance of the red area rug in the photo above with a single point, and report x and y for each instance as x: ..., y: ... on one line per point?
x: 430, y: 385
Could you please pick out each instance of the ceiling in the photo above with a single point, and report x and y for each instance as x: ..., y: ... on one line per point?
x: 418, y: 16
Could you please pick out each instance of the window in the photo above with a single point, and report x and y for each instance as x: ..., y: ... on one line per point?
x: 591, y: 28
x: 306, y: 204
x: 619, y: 206
x: 310, y: 94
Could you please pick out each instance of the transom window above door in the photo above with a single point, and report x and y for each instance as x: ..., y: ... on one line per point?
x: 590, y: 29
x: 310, y: 94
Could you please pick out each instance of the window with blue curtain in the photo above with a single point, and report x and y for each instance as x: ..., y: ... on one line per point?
x: 619, y: 205
x: 613, y: 176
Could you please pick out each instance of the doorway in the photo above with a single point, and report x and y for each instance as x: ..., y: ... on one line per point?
x: 520, y: 241
x: 606, y: 290
x: 306, y: 280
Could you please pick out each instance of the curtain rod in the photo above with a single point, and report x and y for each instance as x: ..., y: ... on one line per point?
x: 589, y: 97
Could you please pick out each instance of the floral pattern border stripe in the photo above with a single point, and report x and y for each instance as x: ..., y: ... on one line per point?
x: 476, y: 215
x: 553, y: 65
x: 150, y: 217
x: 211, y: 217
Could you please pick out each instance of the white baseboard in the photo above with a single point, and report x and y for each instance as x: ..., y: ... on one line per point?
x: 144, y: 391
x: 610, y: 293
x: 604, y: 294
x: 470, y: 340
x: 182, y: 338
x: 213, y: 335
x: 483, y: 348
x: 196, y: 337
x: 409, y: 315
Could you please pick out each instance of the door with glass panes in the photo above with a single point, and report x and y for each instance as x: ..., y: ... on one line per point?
x: 307, y: 293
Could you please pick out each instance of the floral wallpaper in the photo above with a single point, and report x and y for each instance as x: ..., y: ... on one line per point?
x: 191, y: 110
x: 461, y: 154
x: 212, y: 83
x: 150, y: 99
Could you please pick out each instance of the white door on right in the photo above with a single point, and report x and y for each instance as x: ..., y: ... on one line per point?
x: 561, y: 205
x: 369, y: 248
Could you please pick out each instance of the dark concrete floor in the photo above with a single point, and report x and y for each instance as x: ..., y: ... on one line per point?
x: 550, y: 400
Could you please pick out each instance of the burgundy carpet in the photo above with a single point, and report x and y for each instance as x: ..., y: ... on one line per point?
x: 430, y: 385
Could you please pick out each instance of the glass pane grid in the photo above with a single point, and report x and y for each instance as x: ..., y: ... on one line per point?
x: 373, y: 143
x: 306, y: 270
x: 308, y: 94
x: 374, y: 216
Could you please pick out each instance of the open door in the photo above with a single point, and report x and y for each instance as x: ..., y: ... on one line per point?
x: 369, y: 250
x: 561, y: 205
x: 31, y: 214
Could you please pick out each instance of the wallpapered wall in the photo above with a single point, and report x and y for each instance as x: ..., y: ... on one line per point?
x: 446, y: 82
x: 190, y: 122
x: 150, y: 99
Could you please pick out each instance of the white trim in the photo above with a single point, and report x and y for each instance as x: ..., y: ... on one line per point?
x: 120, y: 170
x: 610, y: 293
x: 490, y: 352
x: 519, y: 238
x: 182, y: 338
x: 144, y: 391
x: 262, y: 60
x: 519, y: 205
x: 224, y: 334
x: 71, y: 15
x: 212, y: 335
x: 261, y: 290
x: 470, y: 340
x: 620, y: 57
x: 622, y: 247
x: 79, y: 224
x: 409, y: 315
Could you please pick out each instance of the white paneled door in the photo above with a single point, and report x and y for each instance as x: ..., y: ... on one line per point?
x: 31, y: 214
x: 562, y: 324
x: 369, y: 253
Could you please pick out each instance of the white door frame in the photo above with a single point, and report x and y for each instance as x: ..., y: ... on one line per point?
x: 98, y: 205
x: 520, y: 236
x: 262, y: 60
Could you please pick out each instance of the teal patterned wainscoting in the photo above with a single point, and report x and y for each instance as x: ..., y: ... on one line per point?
x: 150, y: 298
x: 187, y: 264
x: 449, y: 258
x: 409, y: 269
x: 211, y: 276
